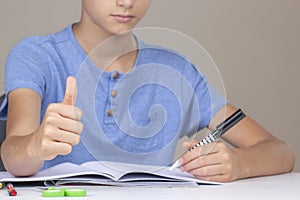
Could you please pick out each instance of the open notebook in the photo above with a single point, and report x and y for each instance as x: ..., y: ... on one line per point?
x: 109, y: 173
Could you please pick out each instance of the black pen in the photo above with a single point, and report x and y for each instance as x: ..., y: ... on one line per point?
x: 220, y: 130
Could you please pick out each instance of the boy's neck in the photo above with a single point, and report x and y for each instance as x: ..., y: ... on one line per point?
x: 109, y: 52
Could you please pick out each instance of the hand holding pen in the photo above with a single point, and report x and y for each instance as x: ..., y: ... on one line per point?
x: 220, y: 130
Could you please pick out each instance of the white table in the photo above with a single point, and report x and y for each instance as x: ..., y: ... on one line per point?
x: 278, y: 187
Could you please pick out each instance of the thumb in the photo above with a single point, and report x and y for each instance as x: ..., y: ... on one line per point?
x: 71, y: 91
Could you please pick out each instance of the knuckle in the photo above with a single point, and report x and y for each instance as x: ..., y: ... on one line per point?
x: 43, y: 147
x: 226, y: 157
x: 46, y: 136
x: 52, y: 107
x: 50, y: 119
x: 228, y: 168
x: 226, y: 178
x: 222, y: 145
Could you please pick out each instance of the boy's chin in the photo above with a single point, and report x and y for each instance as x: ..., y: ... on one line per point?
x: 121, y: 30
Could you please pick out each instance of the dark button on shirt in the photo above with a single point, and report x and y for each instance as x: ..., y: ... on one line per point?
x: 115, y: 75
x: 114, y: 93
x: 110, y: 113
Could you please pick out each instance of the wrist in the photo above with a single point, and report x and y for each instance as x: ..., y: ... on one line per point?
x: 31, y: 149
x: 244, y: 169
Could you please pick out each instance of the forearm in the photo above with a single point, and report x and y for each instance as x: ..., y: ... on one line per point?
x: 265, y: 158
x: 18, y: 157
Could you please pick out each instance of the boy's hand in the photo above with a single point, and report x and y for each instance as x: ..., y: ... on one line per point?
x: 60, y: 128
x: 211, y: 162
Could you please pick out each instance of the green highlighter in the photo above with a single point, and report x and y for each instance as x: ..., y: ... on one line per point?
x: 64, y: 192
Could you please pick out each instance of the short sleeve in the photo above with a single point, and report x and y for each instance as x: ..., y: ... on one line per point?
x: 209, y: 99
x: 211, y: 103
x: 25, y: 68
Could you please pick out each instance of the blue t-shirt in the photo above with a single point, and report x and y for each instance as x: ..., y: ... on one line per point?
x: 136, y: 117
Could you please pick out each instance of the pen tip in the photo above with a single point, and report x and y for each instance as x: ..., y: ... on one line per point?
x: 176, y: 164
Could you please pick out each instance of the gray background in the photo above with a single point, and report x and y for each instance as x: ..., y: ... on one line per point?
x: 255, y: 43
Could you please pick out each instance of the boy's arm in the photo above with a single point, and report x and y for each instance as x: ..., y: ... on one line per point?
x: 258, y: 152
x: 23, y: 120
x: 255, y: 152
x: 28, y: 143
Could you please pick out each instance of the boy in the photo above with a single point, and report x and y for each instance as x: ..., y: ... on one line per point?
x: 42, y: 132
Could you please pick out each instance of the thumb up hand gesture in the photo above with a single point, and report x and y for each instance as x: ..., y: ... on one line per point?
x: 61, y: 126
